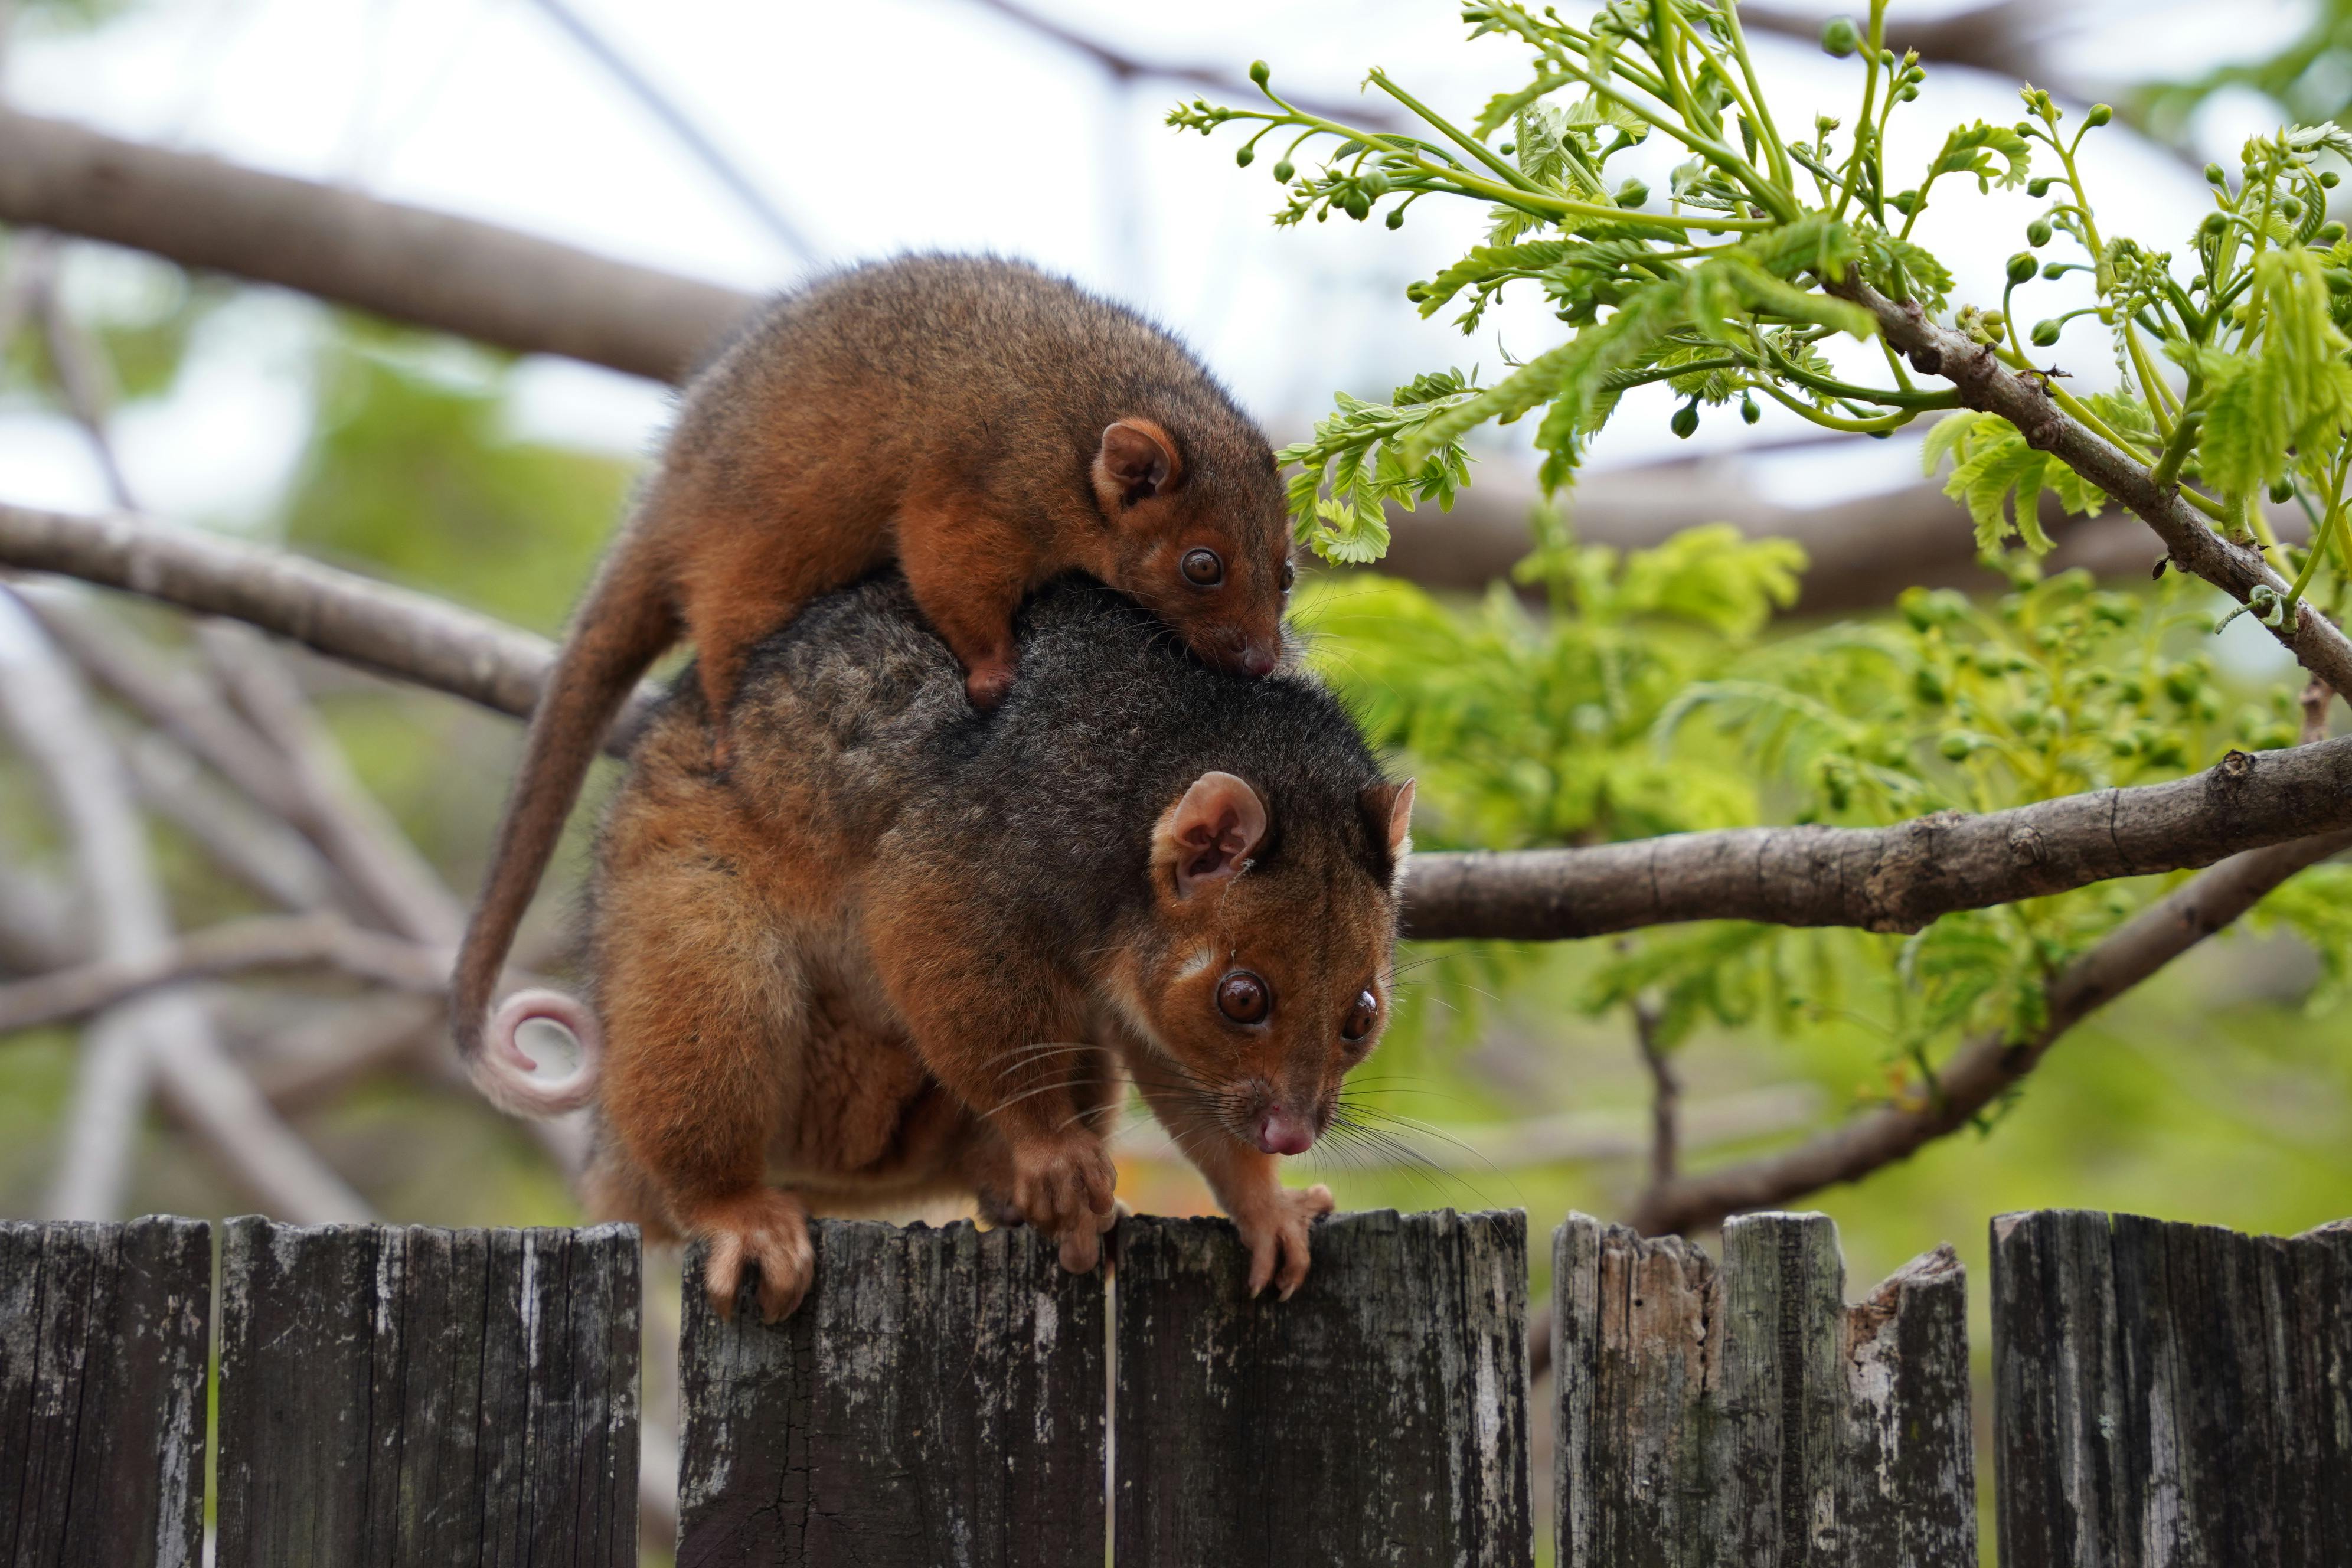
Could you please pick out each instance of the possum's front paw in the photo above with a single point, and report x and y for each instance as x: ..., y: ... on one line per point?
x: 767, y: 1229
x: 1062, y: 1187
x: 1274, y: 1230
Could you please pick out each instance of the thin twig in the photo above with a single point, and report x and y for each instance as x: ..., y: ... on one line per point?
x: 236, y: 947
x: 250, y: 847
x: 350, y: 826
x: 87, y: 381
x: 1982, y: 1071
x: 1665, y: 1092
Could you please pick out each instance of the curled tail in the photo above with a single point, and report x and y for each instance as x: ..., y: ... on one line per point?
x: 624, y: 624
x: 506, y: 1071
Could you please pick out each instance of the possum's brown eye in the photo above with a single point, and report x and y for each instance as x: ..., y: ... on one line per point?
x: 1243, y: 997
x: 1360, y: 1018
x: 1202, y: 569
x: 1290, y: 575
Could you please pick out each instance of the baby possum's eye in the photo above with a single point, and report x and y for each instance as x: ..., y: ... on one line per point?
x: 1243, y: 997
x: 1203, y: 568
x: 1290, y: 575
x: 1360, y: 1018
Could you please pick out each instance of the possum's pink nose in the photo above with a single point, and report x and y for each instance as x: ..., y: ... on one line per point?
x: 1260, y: 661
x: 1280, y: 1132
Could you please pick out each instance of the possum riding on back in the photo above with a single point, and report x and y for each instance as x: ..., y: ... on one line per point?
x: 984, y: 425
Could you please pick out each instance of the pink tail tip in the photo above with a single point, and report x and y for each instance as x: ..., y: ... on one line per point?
x: 506, y: 1074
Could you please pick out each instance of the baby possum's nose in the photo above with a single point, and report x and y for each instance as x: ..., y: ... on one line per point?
x: 1260, y: 660
x: 1282, y: 1132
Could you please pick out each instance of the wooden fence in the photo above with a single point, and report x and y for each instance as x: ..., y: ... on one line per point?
x: 2163, y: 1394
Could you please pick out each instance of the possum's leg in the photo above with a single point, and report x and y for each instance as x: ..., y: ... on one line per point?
x: 1005, y: 1044
x: 968, y: 570
x: 1274, y: 1219
x: 704, y: 1010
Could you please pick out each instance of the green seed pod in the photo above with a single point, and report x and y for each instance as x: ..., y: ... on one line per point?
x: 2131, y: 690
x: 1903, y: 200
x: 2038, y: 188
x: 2054, y: 271
x: 2330, y: 233
x: 1507, y: 148
x: 1283, y: 170
x: 1245, y: 156
x: 2290, y: 208
x: 1359, y: 205
x: 1749, y: 413
x: 2100, y: 114
x: 2023, y: 266
x: 2044, y: 333
x: 2214, y: 175
x: 1905, y: 93
x: 2182, y: 684
x: 1417, y: 292
x: 1956, y: 746
x: 1396, y: 218
x: 1840, y: 37
x: 2037, y: 233
x: 1918, y: 608
x: 2339, y: 281
x: 2121, y: 745
x: 1685, y: 421
x: 1633, y: 194
x: 1928, y: 686
x: 2329, y: 179
x: 2282, y: 492
x: 2215, y: 224
x: 1258, y: 73
x: 2026, y: 719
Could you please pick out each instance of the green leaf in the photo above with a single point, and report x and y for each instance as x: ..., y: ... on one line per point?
x: 1902, y: 270
x: 1946, y: 433
x: 1991, y: 153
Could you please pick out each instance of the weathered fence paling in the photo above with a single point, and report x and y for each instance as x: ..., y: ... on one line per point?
x: 103, y: 1342
x: 1377, y: 1416
x: 938, y: 1398
x: 403, y: 1397
x: 2171, y: 1395
x: 1743, y: 1414
x: 2164, y: 1394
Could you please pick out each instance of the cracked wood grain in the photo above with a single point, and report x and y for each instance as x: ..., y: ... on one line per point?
x: 404, y: 1395
x: 2171, y: 1395
x: 1743, y: 1414
x: 935, y: 1402
x: 1377, y: 1416
x: 104, y: 1330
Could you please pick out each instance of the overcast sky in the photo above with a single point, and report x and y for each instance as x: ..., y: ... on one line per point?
x: 891, y: 124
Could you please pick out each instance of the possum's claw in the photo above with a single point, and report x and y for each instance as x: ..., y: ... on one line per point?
x: 767, y: 1229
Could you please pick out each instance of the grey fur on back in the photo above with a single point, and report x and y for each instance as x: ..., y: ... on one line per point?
x: 1055, y: 793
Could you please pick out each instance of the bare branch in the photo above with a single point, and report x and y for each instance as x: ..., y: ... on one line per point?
x: 1665, y: 1093
x: 1120, y: 66
x: 168, y: 1036
x: 40, y: 925
x: 1985, y: 383
x: 1894, y: 878
x: 254, y: 849
x: 682, y: 126
x: 1980, y: 1072
x: 237, y: 947
x: 83, y: 376
x: 451, y: 274
x: 410, y: 635
x: 351, y: 827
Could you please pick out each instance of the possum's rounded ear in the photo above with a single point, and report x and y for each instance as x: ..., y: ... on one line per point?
x: 1136, y: 462
x: 1208, y: 837
x: 1388, y: 816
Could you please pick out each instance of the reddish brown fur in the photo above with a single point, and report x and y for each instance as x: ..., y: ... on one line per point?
x: 828, y: 982
x: 984, y: 425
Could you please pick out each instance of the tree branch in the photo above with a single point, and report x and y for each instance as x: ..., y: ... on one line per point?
x: 1987, y: 384
x: 236, y: 947
x: 412, y: 637
x: 1980, y: 1072
x: 451, y: 274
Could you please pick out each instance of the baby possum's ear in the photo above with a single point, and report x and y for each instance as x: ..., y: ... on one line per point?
x: 1388, y: 816
x: 1137, y: 462
x: 1209, y: 835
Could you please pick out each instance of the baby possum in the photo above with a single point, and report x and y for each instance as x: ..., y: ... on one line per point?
x: 985, y: 426
x: 898, y: 948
